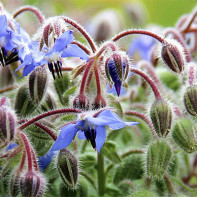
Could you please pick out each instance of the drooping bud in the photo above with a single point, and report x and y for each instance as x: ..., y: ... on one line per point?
x: 161, y: 117
x: 67, y: 165
x: 184, y: 134
x: 117, y: 69
x: 81, y: 102
x: 173, y: 55
x: 32, y: 184
x: 14, y: 184
x: 23, y: 104
x: 38, y: 84
x: 49, y: 103
x: 5, y: 102
x: 7, y: 124
x: 190, y: 100
x: 98, y: 103
x: 157, y: 159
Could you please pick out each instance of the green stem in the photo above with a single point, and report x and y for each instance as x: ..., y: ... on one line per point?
x: 101, y: 174
x: 131, y: 152
x: 89, y: 178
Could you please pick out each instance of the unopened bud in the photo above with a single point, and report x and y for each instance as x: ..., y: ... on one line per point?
x: 38, y: 84
x: 49, y: 103
x: 158, y: 158
x: 7, y: 124
x: 81, y: 102
x: 14, y: 184
x: 184, y: 134
x: 5, y: 102
x: 172, y: 54
x: 117, y: 69
x: 98, y: 103
x: 67, y: 165
x: 190, y: 100
x: 161, y: 117
x: 32, y: 184
x: 23, y: 104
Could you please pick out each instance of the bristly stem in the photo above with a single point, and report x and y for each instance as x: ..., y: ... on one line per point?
x: 143, y: 117
x: 98, y: 85
x: 32, y: 9
x: 82, y: 31
x: 28, y: 150
x: 138, y: 31
x: 191, y: 76
x: 101, y: 174
x: 83, y: 47
x: 8, y: 89
x: 133, y: 151
x: 85, y: 76
x: 150, y: 82
x: 169, y: 184
x: 179, y: 37
x: 22, y: 161
x: 104, y: 47
x: 44, y: 115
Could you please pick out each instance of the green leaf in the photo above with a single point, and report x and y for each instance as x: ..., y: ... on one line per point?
x: 109, y: 150
x: 70, y: 91
x: 116, y: 104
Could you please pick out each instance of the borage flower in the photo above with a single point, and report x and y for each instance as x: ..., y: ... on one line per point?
x: 89, y: 127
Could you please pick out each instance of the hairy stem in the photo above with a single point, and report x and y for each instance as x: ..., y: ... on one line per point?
x: 131, y: 152
x: 101, y: 174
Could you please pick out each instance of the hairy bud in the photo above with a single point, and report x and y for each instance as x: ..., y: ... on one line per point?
x: 158, y: 158
x: 14, y: 184
x: 117, y: 68
x: 161, y: 117
x: 172, y: 54
x: 81, y: 102
x: 190, y: 100
x: 32, y: 184
x: 67, y: 166
x: 184, y: 134
x: 38, y: 83
x: 5, y: 102
x: 7, y: 124
x: 98, y: 103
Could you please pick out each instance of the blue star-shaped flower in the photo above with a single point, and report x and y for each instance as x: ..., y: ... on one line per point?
x: 91, y: 128
x: 141, y: 44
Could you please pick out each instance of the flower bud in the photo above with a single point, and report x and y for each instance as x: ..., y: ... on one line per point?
x: 190, y: 100
x: 161, y: 117
x: 38, y: 83
x: 98, y: 103
x: 157, y: 159
x: 14, y: 184
x: 32, y: 184
x: 5, y: 102
x: 7, y: 124
x: 23, y: 104
x: 184, y: 134
x: 172, y: 54
x: 117, y: 69
x: 67, y: 166
x: 81, y: 102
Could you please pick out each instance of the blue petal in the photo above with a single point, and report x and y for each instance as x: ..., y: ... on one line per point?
x: 100, y: 137
x: 3, y: 25
x: 65, y: 39
x: 65, y: 137
x: 81, y: 135
x: 113, y: 90
x: 11, y: 146
x: 46, y: 159
x: 72, y: 50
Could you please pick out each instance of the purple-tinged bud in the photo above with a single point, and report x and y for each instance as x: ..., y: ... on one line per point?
x: 67, y: 165
x: 5, y: 102
x: 158, y: 158
x: 173, y: 55
x: 7, y: 124
x: 38, y: 82
x: 161, y: 116
x: 81, y: 102
x: 98, y: 103
x: 184, y: 134
x: 190, y: 100
x: 14, y: 184
x: 117, y: 69
x: 32, y: 184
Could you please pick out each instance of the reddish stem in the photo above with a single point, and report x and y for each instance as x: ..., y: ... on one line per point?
x: 32, y: 9
x: 22, y: 161
x: 138, y: 31
x: 44, y: 115
x: 143, y: 117
x: 66, y: 69
x: 82, y: 31
x: 83, y: 47
x: 8, y: 89
x: 103, y: 48
x: 192, y: 74
x: 34, y: 160
x: 150, y: 82
x: 85, y: 75
x: 98, y: 86
x: 28, y: 150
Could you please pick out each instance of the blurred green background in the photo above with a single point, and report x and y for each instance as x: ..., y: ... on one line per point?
x: 163, y: 12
